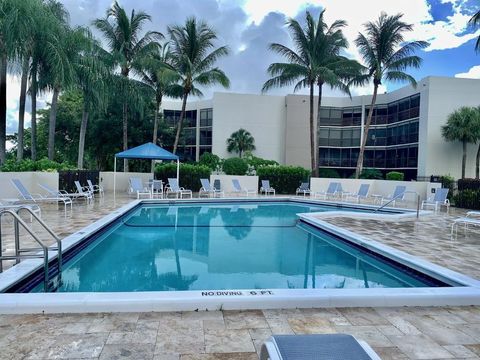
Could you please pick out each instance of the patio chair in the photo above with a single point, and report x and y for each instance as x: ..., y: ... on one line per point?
x: 174, y: 188
x: 33, y: 207
x: 209, y: 190
x: 438, y: 199
x: 303, y: 189
x: 316, y: 346
x: 238, y: 189
x: 362, y: 193
x: 94, y: 188
x: 157, y: 188
x: 332, y: 191
x: 469, y: 219
x: 398, y: 194
x: 26, y: 196
x: 82, y: 192
x: 136, y: 187
x: 266, y: 188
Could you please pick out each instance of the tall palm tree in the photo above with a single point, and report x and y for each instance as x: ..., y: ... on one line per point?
x: 475, y: 22
x: 386, y: 56
x: 162, y: 78
x: 460, y: 126
x: 240, y: 141
x: 194, y: 60
x: 315, y: 61
x: 127, y: 47
x: 476, y: 130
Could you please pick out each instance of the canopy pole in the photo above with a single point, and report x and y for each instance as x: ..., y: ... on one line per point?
x: 114, y: 177
x: 178, y: 171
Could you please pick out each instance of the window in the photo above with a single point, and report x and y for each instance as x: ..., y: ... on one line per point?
x: 323, y: 137
x: 206, y: 117
x: 335, y: 137
x: 347, y: 137
x: 206, y: 136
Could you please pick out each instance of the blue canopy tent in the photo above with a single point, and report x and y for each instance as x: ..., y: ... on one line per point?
x: 148, y: 151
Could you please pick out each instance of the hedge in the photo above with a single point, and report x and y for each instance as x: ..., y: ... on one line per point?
x: 190, y: 175
x: 285, y: 179
x: 468, y: 184
x: 468, y: 199
x: 235, y: 166
x: 11, y: 165
x: 371, y: 174
x: 395, y: 175
x: 257, y: 162
x: 210, y: 160
x: 328, y: 173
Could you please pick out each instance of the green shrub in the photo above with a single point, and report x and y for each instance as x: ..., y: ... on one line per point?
x: 328, y: 173
x: 285, y: 179
x: 210, y: 160
x: 190, y: 175
x: 395, y: 175
x: 449, y: 183
x: 235, y: 166
x: 44, y: 164
x: 468, y: 184
x: 468, y: 199
x: 371, y: 174
x: 256, y: 162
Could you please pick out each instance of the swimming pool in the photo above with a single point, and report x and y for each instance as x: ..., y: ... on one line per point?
x: 184, y: 255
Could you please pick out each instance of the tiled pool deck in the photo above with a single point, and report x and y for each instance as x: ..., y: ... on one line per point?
x: 395, y: 333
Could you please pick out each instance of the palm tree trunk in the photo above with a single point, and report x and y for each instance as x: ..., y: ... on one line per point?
x: 359, y: 168
x: 125, y: 134
x: 319, y: 104
x: 3, y: 107
x: 180, y: 122
x: 155, y: 127
x: 464, y: 158
x: 51, y: 124
x: 81, y: 140
x: 33, y: 95
x: 313, y: 163
x: 477, y: 167
x: 21, y: 109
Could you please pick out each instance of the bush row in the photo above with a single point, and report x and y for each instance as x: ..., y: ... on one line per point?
x: 190, y: 175
x: 468, y: 184
x: 285, y: 179
x: 468, y: 199
x: 43, y: 164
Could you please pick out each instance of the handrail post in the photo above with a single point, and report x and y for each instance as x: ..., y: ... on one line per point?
x: 16, y: 234
x: 418, y: 205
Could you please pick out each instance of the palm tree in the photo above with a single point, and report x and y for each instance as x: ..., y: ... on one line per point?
x: 127, y: 48
x: 475, y: 22
x: 315, y: 61
x: 240, y: 141
x: 386, y: 56
x: 194, y: 61
x: 162, y: 78
x: 476, y: 131
x: 460, y: 126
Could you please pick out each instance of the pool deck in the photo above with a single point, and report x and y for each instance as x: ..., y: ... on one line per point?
x: 395, y: 333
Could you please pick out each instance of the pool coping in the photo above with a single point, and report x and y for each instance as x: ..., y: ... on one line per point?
x: 468, y: 294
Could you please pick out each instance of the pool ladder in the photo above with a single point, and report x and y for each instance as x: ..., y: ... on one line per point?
x: 41, y: 252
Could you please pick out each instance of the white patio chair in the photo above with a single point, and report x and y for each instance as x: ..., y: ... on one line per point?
x: 82, y: 192
x: 174, y: 188
x: 137, y: 188
x: 35, y: 208
x: 266, y: 188
x: 438, y: 199
x: 332, y: 191
x: 465, y: 221
x: 362, y: 193
x: 316, y: 346
x: 156, y: 188
x: 398, y: 194
x: 94, y: 188
x: 238, y: 189
x: 26, y: 196
x: 209, y: 190
x: 303, y: 189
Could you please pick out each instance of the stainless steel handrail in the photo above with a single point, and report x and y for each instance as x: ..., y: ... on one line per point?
x: 21, y: 253
x: 399, y: 196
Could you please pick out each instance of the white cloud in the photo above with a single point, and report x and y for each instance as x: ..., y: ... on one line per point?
x: 473, y: 73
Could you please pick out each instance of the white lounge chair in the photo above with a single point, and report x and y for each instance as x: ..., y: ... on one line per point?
x: 209, y: 190
x: 136, y: 187
x: 238, y: 189
x: 398, y: 194
x: 156, y: 188
x: 82, y: 192
x: 26, y: 196
x: 33, y: 207
x: 362, y: 193
x: 174, y: 188
x: 94, y: 188
x: 439, y: 199
x: 266, y: 188
x: 316, y: 346
x: 303, y: 189
x: 470, y: 219
x: 332, y: 190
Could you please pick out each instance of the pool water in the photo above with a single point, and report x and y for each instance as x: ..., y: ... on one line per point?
x: 225, y: 246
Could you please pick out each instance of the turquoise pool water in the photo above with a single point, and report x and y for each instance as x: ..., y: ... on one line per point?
x: 225, y: 246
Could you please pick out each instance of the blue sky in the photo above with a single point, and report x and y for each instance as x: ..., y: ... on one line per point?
x: 248, y: 26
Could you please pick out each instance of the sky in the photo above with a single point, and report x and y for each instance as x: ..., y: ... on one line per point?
x: 249, y: 26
